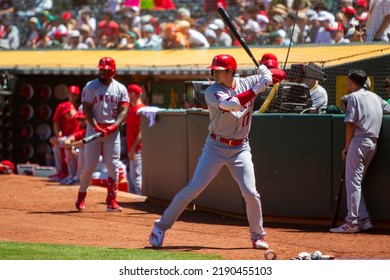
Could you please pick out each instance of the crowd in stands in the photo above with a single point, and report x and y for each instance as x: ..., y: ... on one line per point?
x: 123, y: 24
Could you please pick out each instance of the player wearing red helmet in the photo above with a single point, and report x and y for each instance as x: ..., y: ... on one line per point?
x: 271, y: 62
x: 231, y: 103
x: 107, y: 69
x: 105, y: 105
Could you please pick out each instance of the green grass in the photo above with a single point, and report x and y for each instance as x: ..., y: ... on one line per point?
x: 37, y: 251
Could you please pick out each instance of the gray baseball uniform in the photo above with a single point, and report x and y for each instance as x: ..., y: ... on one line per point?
x: 106, y: 100
x: 227, y: 145
x: 365, y: 111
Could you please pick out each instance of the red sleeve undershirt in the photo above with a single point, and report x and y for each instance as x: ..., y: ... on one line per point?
x: 245, y: 96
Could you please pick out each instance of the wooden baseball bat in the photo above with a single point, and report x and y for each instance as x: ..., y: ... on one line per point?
x: 337, y: 201
x: 233, y: 28
x: 92, y: 137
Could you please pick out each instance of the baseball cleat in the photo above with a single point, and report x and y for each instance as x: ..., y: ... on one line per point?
x: 259, y: 244
x: 365, y: 224
x: 80, y: 202
x: 345, y: 228
x: 113, y: 206
x: 156, y: 237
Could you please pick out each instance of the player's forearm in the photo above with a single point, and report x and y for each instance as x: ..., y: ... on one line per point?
x: 87, y: 109
x: 122, y: 115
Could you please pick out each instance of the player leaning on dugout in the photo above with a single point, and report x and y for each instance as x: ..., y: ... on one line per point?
x: 363, y: 120
x: 230, y: 101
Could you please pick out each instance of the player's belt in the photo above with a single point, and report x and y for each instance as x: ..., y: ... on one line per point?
x: 230, y: 142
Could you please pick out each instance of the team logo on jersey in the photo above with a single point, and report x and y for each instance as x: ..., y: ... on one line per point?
x: 105, y: 99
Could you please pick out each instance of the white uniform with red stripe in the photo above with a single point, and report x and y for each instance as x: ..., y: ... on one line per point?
x: 230, y: 125
x: 106, y: 100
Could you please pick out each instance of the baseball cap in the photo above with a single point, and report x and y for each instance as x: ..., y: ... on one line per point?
x: 279, y: 9
x: 262, y: 18
x: 277, y: 34
x: 8, y: 163
x: 200, y: 22
x: 361, y: 3
x: 311, y: 15
x: 210, y: 34
x: 74, y: 90
x: 183, y: 24
x: 85, y: 10
x: 66, y: 15
x: 278, y: 18
x: 135, y: 89
x: 348, y: 10
x: 66, y: 107
x: 33, y: 19
x: 324, y: 15
x: 80, y: 115
x: 148, y: 28
x: 213, y: 26
x: 219, y: 22
x: 336, y: 26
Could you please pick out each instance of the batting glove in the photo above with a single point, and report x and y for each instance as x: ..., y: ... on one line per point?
x: 265, y: 81
x: 262, y: 70
x: 99, y: 129
x: 111, y: 128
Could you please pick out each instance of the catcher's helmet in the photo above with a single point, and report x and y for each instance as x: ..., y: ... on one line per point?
x: 74, y: 90
x: 223, y: 62
x: 107, y: 63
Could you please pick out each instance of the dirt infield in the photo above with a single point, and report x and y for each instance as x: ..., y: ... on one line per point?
x: 34, y: 210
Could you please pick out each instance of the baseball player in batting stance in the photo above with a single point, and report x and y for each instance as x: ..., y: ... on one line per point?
x: 105, y: 105
x: 230, y: 101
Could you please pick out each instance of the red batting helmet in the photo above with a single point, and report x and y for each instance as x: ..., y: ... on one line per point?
x: 270, y: 60
x: 74, y: 90
x: 108, y: 63
x: 223, y: 62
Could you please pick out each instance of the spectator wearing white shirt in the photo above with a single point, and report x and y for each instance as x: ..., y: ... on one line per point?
x: 223, y: 38
x: 337, y: 34
x: 149, y: 40
x: 10, y: 39
x: 85, y: 17
x: 195, y: 38
x: 326, y: 19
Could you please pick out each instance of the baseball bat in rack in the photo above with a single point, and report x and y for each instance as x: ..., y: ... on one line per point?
x: 234, y: 29
x: 92, y: 137
x: 337, y: 201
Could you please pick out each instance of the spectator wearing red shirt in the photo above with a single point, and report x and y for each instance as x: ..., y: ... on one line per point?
x: 107, y: 28
x: 63, y: 127
x: 134, y: 138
